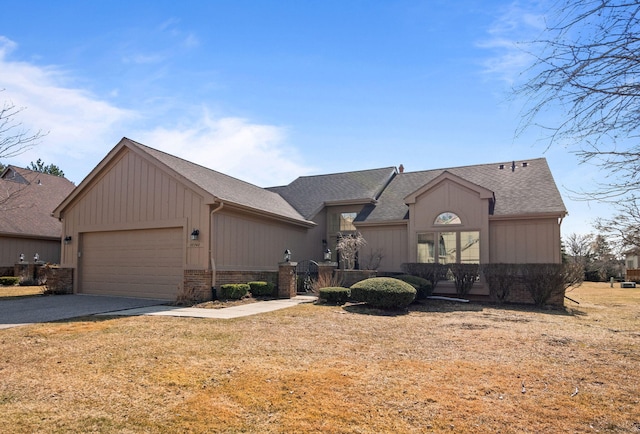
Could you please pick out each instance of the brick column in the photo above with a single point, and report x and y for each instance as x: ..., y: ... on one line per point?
x: 287, y: 279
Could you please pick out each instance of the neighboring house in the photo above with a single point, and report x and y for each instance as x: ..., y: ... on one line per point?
x: 145, y: 223
x: 27, y: 199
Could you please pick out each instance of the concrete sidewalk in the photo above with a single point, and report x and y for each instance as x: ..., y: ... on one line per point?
x: 223, y: 313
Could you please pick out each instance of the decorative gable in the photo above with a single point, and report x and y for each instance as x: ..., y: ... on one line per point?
x: 446, y: 178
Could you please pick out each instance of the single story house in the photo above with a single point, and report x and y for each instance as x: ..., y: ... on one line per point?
x: 148, y: 224
x: 27, y: 227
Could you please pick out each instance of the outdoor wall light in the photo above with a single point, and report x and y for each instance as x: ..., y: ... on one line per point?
x: 36, y: 257
x: 327, y: 255
x: 287, y: 255
x: 21, y: 257
x: 195, y: 234
x: 67, y: 239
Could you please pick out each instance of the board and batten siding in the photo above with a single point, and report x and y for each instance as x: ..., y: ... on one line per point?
x: 390, y: 242
x: 132, y: 193
x: 525, y: 241
x: 11, y: 247
x: 242, y: 242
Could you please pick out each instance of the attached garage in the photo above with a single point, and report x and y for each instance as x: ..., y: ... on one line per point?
x: 144, y: 263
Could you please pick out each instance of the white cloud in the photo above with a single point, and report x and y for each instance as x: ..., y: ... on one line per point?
x: 506, y: 36
x: 252, y: 152
x: 83, y: 128
x: 78, y: 124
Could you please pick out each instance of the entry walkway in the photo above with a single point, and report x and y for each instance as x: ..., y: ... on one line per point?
x: 223, y: 313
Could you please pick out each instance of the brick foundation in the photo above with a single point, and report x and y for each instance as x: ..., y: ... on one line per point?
x: 223, y: 277
x: 197, y: 284
x: 6, y: 271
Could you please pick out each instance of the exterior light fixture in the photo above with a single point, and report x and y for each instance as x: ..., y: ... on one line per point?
x: 327, y: 255
x: 195, y: 234
x: 287, y: 255
x: 36, y: 257
x: 67, y: 239
x: 21, y: 257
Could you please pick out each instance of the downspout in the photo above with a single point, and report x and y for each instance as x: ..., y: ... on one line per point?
x: 213, y: 262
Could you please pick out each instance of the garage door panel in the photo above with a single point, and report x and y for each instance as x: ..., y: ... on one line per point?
x: 141, y: 263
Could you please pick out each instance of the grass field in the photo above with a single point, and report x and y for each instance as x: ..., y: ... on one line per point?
x: 20, y: 291
x: 441, y: 367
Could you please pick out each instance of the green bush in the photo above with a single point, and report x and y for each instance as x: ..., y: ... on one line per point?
x: 423, y: 286
x: 384, y: 293
x: 233, y: 291
x: 334, y: 294
x: 9, y: 280
x: 260, y: 289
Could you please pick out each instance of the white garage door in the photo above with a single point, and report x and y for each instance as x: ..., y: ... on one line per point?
x: 139, y: 263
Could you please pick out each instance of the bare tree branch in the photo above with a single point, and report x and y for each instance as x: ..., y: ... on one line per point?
x: 588, y: 65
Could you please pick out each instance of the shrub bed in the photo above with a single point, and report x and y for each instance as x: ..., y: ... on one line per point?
x: 384, y: 292
x: 261, y: 289
x: 233, y: 291
x: 334, y: 294
x: 423, y: 286
x: 9, y: 280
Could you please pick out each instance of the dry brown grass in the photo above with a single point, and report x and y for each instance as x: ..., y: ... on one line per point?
x: 20, y: 291
x: 442, y: 367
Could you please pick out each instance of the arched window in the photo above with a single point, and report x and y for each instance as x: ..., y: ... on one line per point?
x: 447, y: 218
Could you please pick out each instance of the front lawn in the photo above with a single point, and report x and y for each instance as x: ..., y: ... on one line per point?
x: 20, y: 291
x: 442, y: 367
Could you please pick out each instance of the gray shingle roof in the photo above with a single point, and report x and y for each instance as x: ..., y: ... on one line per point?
x: 226, y: 188
x: 27, y: 201
x: 309, y: 193
x: 526, y: 190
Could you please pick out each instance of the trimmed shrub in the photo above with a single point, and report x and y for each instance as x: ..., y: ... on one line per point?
x: 334, y: 294
x: 423, y: 286
x: 464, y: 276
x: 384, y: 292
x: 434, y: 273
x: 548, y: 281
x: 9, y: 280
x: 501, y: 278
x: 261, y: 289
x: 233, y: 291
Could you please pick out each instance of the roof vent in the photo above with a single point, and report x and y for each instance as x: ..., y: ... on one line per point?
x: 525, y: 164
x: 501, y: 167
x: 401, y: 168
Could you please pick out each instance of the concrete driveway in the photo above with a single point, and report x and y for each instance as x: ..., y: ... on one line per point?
x: 29, y: 310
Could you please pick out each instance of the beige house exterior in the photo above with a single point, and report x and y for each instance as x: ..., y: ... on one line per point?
x: 27, y: 227
x: 148, y: 224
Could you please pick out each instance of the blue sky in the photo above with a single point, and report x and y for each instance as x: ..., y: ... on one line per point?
x: 270, y: 90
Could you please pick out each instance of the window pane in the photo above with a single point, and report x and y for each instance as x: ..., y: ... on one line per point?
x: 346, y: 221
x: 470, y: 247
x: 447, y: 218
x: 447, y: 248
x: 425, y: 247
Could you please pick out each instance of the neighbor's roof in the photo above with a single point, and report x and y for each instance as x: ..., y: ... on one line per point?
x: 528, y: 189
x: 27, y: 199
x: 226, y: 188
x: 308, y: 194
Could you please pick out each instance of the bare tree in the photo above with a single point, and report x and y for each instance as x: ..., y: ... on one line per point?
x: 588, y: 66
x: 578, y: 247
x: 14, y: 139
x: 624, y: 227
x: 348, y: 246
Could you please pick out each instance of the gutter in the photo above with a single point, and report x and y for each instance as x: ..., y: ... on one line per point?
x: 211, y: 259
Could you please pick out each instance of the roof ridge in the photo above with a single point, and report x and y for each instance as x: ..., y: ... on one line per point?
x: 498, y: 163
x: 347, y: 172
